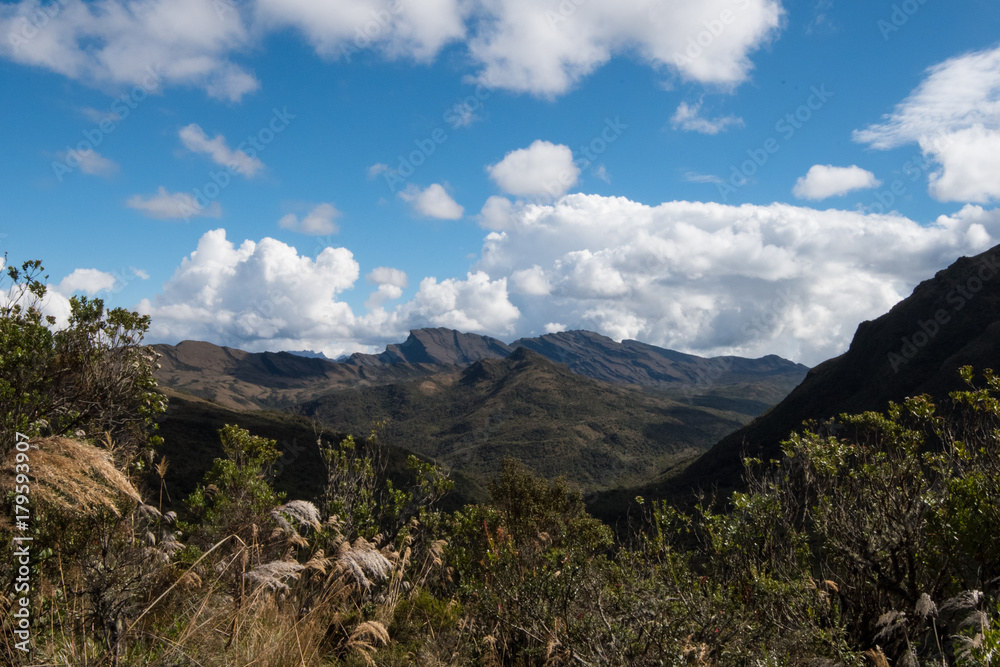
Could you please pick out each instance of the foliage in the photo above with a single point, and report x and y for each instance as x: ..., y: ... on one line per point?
x: 875, y: 546
x: 236, y: 498
x: 94, y: 375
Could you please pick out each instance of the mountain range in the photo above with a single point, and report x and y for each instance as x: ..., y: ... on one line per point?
x: 576, y: 404
x: 607, y: 414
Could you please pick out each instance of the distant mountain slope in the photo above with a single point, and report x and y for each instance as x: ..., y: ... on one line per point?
x: 243, y: 380
x: 950, y: 320
x: 560, y: 423
x: 440, y: 346
x: 632, y: 362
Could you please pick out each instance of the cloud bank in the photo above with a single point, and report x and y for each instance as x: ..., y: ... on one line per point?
x: 697, y: 277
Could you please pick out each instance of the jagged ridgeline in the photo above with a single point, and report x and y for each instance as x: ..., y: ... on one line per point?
x: 574, y: 404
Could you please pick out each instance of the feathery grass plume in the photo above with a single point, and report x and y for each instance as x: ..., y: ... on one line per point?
x: 148, y: 512
x: 890, y: 624
x: 876, y: 658
x: 303, y: 511
x: 319, y: 562
x: 364, y: 637
x: 74, y: 476
x: 363, y: 563
x: 273, y: 575
x: 925, y: 606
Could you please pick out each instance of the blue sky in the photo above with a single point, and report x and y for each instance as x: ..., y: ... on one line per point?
x: 714, y: 176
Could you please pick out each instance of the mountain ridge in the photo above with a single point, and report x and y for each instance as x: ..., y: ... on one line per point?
x: 949, y: 321
x: 247, y: 380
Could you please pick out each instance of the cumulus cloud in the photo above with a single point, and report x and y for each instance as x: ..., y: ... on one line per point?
x: 196, y: 141
x: 90, y: 162
x: 954, y: 116
x: 432, y: 202
x: 391, y: 283
x: 704, y: 278
x: 824, y: 180
x: 384, y: 275
x: 172, y: 205
x: 546, y: 49
x: 338, y: 30
x: 688, y: 118
x: 474, y: 304
x: 519, y: 45
x: 265, y: 296
x: 88, y: 281
x: 320, y: 221
x: 543, y: 169
x: 133, y: 42
x: 712, y: 279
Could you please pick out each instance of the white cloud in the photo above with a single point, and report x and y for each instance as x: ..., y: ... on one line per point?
x: 704, y: 278
x: 195, y: 140
x: 543, y: 169
x: 496, y: 213
x: 173, y: 205
x: 143, y: 43
x: 320, y: 221
x: 384, y: 275
x: 90, y: 162
x: 520, y: 45
x: 954, y: 116
x: 432, y: 202
x: 694, y: 177
x: 88, y: 281
x: 338, y: 30
x: 822, y: 181
x: 545, y: 49
x: 687, y: 118
x: 710, y: 279
x: 265, y: 296
x: 377, y: 169
x: 531, y: 281
x: 474, y: 304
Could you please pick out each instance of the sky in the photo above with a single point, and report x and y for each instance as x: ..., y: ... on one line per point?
x: 742, y: 177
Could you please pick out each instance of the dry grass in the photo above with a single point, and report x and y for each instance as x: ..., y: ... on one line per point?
x: 73, y: 476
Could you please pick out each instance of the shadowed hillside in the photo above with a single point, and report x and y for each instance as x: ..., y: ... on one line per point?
x: 950, y: 320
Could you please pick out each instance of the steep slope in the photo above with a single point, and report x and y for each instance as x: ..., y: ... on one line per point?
x: 525, y: 406
x: 441, y: 346
x: 950, y: 320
